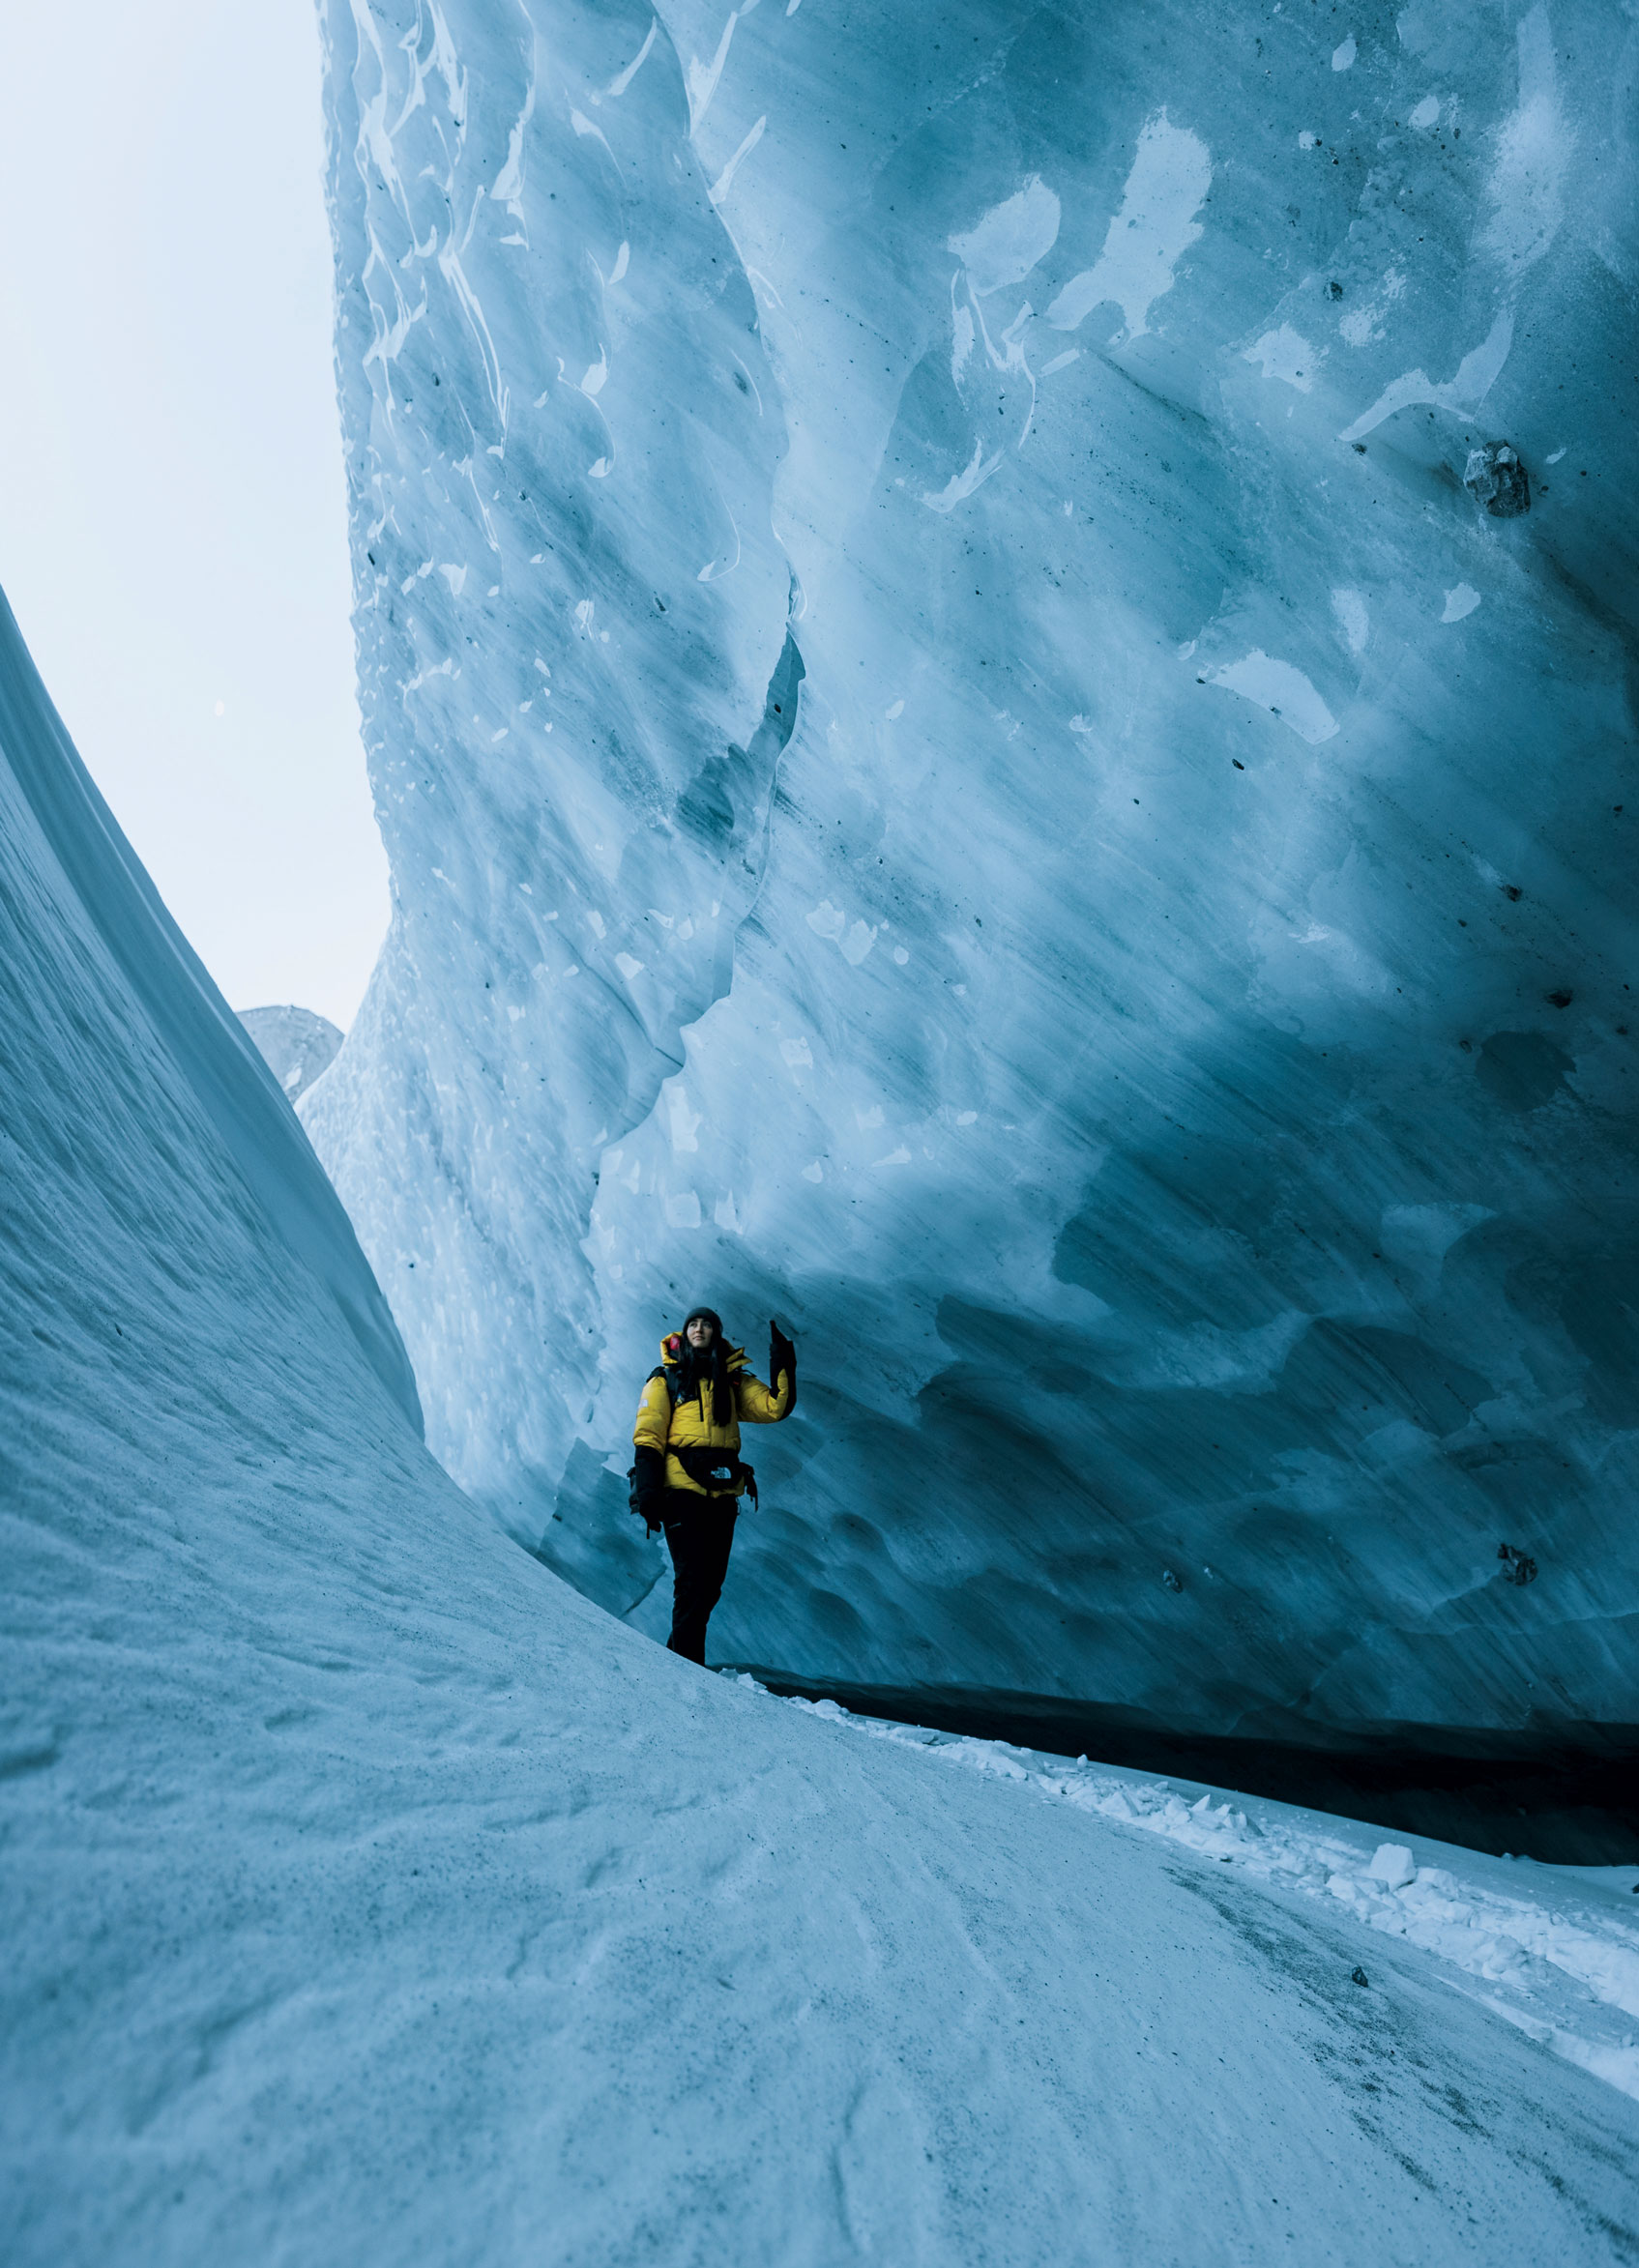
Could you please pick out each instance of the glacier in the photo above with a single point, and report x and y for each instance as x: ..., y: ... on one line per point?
x: 962, y: 767
x: 372, y: 1896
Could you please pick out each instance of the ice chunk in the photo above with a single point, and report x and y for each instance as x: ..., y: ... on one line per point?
x: 1392, y: 1866
x: 296, y: 1045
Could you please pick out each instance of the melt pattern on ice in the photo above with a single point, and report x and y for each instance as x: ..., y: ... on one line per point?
x: 927, y: 579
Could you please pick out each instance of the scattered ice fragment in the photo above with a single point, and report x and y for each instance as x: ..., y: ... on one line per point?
x: 798, y: 1054
x: 618, y: 85
x: 1525, y: 193
x: 1307, y: 140
x: 1343, y: 55
x: 895, y: 1158
x: 1147, y: 238
x: 897, y: 710
x: 858, y: 943
x: 724, y: 180
x: 1281, y: 688
x: 962, y: 336
x: 1079, y: 724
x: 1286, y: 355
x: 966, y: 1117
x: 684, y: 1123
x: 1555, y: 458
x: 962, y: 485
x: 1353, y: 621
x: 827, y: 920
x: 1010, y: 239
x: 900, y: 955
x: 1474, y: 376
x: 1460, y: 602
x: 867, y: 1121
x: 683, y: 1211
x: 1392, y: 1866
x: 1425, y: 113
x: 813, y: 1173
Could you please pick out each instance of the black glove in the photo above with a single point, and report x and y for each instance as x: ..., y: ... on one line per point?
x: 646, y: 1488
x: 782, y: 1357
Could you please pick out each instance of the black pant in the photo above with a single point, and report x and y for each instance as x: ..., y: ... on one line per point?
x: 699, y: 1536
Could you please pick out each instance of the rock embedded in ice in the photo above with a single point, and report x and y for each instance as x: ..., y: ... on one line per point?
x: 296, y: 1045
x: 1495, y: 478
x: 1197, y: 827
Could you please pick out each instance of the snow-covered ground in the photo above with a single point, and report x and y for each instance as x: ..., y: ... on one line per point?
x: 1553, y: 1948
x: 371, y: 1897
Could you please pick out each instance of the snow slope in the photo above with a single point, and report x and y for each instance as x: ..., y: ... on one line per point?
x: 1152, y: 1019
x: 371, y: 1895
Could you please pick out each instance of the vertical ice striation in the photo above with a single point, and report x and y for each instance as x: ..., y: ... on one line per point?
x: 1151, y: 1012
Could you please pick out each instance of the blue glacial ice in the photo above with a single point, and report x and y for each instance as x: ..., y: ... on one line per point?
x: 370, y: 1896
x: 965, y: 763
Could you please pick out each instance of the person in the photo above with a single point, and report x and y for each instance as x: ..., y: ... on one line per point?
x: 688, y: 1477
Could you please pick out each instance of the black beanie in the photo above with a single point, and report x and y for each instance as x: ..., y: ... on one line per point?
x: 704, y: 1315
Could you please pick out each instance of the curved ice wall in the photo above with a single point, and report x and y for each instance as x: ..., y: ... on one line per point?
x: 977, y: 750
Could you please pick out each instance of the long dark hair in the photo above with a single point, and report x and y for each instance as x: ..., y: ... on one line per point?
x: 697, y: 1371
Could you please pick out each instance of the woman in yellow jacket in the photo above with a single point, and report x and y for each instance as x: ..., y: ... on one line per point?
x: 687, y: 1476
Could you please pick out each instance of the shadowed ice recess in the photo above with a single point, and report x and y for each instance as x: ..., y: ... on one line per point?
x: 966, y: 761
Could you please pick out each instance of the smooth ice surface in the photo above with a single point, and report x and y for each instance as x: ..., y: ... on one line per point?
x: 294, y: 1043
x: 372, y: 1897
x: 961, y: 766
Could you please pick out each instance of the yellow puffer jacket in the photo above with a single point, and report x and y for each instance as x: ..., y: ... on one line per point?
x: 688, y: 1425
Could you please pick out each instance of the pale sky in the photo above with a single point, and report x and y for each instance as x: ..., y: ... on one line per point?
x: 172, y: 515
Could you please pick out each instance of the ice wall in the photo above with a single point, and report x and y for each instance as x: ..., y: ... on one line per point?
x: 1154, y: 1022
x: 371, y: 1897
